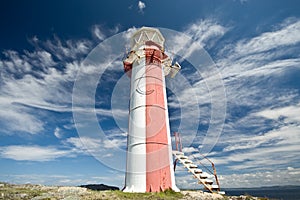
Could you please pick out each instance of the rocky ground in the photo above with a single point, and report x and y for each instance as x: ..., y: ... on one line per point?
x: 40, y: 192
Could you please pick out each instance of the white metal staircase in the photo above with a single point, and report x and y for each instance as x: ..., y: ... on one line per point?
x: 201, y: 176
x: 193, y: 168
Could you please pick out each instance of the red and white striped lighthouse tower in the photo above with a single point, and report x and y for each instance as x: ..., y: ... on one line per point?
x: 149, y: 150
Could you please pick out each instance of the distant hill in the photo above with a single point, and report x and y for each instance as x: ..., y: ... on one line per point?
x: 284, y: 187
x: 99, y: 187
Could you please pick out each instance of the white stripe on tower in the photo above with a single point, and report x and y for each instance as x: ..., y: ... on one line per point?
x: 136, y: 153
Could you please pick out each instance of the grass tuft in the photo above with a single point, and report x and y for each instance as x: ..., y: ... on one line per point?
x: 167, y: 194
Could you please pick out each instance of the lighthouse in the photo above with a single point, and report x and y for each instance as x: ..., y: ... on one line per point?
x: 149, y: 166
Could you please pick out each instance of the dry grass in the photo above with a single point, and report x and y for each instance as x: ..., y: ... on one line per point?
x: 40, y: 192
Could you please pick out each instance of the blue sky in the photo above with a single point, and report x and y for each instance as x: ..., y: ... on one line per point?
x: 250, y: 95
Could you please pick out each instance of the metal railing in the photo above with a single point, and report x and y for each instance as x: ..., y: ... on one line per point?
x: 212, y: 171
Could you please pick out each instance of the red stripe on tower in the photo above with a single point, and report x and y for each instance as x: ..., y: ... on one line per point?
x: 158, y: 177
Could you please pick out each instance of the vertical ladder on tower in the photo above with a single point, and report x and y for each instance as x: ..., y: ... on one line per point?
x: 201, y: 176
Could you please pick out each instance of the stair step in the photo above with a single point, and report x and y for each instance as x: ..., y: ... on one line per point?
x: 203, y: 176
x: 178, y: 153
x: 214, y: 187
x: 199, y: 182
x: 208, y: 181
x: 187, y: 162
x: 200, y: 176
x: 182, y: 157
x: 197, y: 171
x: 192, y: 165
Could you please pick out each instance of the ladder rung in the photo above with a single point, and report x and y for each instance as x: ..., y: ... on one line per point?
x: 182, y: 157
x: 178, y: 153
x: 208, y: 181
x: 203, y: 176
x: 187, y: 161
x: 192, y: 166
x: 214, y: 186
x: 197, y: 171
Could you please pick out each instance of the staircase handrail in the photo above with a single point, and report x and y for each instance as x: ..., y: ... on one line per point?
x: 213, y: 167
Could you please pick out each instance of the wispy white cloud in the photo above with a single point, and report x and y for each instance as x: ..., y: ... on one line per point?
x: 282, y: 136
x: 32, y: 92
x: 69, y: 147
x: 98, y: 33
x: 278, y: 147
x: 32, y: 153
x: 84, y: 144
x: 262, y: 55
x: 18, y: 118
x: 40, y: 58
x: 114, y: 143
x: 259, y: 179
x: 290, y: 114
x: 253, y: 70
x: 129, y: 32
x: 287, y: 34
x: 33, y: 80
x: 57, y: 133
x: 64, y: 50
x: 201, y: 93
x: 141, y: 6
x: 206, y: 32
x: 95, y: 145
x: 69, y: 49
x: 203, y: 33
x: 14, y: 63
